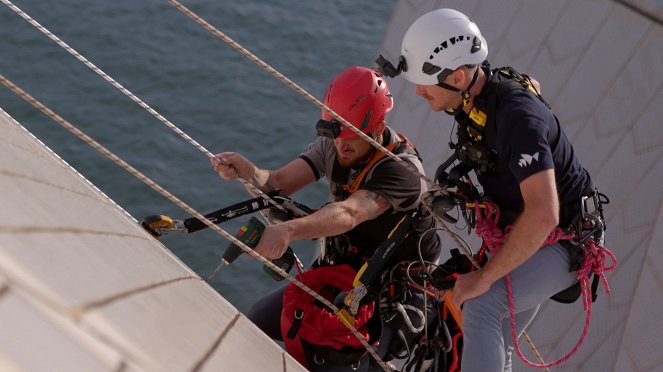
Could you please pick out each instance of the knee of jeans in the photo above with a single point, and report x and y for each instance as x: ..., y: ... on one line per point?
x: 482, y: 311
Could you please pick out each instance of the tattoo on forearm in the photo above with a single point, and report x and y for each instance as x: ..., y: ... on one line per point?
x: 372, y: 196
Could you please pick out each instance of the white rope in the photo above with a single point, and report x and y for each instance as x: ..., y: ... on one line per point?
x: 134, y: 172
x: 322, y: 106
x: 132, y: 96
x: 319, y: 104
x: 296, y: 88
x: 280, y: 77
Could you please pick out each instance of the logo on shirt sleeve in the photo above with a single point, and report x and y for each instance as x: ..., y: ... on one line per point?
x: 526, y: 159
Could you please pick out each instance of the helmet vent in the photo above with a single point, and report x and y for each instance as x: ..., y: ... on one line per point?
x: 476, y: 45
x: 453, y: 40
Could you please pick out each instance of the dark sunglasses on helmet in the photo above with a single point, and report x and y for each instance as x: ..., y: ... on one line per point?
x: 330, y: 129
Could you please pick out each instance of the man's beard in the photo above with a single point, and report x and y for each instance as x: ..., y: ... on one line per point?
x: 347, y: 162
x: 354, y: 161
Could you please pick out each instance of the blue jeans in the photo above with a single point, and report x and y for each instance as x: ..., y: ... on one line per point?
x: 487, y: 340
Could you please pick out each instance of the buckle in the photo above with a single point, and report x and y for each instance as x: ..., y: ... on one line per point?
x: 591, y: 222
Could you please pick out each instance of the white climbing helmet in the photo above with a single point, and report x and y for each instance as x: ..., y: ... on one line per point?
x: 439, y: 42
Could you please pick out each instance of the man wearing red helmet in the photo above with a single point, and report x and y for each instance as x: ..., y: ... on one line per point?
x: 370, y: 193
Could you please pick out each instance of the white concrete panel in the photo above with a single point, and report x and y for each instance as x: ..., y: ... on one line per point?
x: 622, y: 165
x: 585, y: 134
x: 94, y: 272
x: 648, y: 125
x: 640, y: 351
x: 60, y: 266
x: 526, y: 37
x: 642, y: 347
x: 567, y: 43
x: 169, y: 328
x: 291, y: 364
x: 232, y: 356
x: 611, y: 48
x: 40, y: 169
x: 484, y: 14
x: 41, y: 340
x: 50, y: 206
x: 633, y: 90
x: 22, y: 159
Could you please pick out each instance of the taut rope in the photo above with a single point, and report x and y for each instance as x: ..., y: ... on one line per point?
x: 134, y: 172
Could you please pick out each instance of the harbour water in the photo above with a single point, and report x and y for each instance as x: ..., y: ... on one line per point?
x: 200, y: 84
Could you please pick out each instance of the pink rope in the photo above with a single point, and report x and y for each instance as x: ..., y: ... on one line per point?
x: 593, y: 262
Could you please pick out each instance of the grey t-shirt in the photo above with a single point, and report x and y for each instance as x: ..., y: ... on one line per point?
x: 400, y: 187
x: 388, y: 179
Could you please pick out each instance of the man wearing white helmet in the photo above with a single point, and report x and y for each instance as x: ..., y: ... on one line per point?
x: 525, y: 164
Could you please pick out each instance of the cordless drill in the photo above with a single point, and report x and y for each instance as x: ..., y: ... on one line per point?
x: 250, y: 235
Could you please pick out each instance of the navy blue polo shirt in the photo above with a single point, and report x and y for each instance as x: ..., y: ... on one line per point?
x: 522, y: 127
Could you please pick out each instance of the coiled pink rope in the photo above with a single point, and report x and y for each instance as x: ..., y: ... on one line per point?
x: 487, y: 215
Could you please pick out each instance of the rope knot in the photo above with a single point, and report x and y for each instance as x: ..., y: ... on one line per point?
x: 595, y: 262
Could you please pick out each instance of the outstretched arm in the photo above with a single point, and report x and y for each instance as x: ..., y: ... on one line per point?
x: 289, y: 178
x: 333, y: 219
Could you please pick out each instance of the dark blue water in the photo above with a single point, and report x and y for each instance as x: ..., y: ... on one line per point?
x: 206, y: 88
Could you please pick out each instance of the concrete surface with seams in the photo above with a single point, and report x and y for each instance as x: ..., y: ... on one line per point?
x: 84, y: 288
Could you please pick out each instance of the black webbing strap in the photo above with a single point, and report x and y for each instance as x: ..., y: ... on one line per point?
x: 228, y: 213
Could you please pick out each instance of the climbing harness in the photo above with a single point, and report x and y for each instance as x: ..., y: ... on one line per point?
x: 594, y: 262
x: 428, y: 336
x: 202, y: 149
x: 134, y: 172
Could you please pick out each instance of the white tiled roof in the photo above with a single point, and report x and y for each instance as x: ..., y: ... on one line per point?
x: 84, y: 288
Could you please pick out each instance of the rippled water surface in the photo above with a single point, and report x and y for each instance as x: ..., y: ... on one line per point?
x: 206, y: 88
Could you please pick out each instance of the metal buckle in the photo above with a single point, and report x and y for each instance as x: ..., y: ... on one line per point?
x: 178, y: 227
x: 590, y: 213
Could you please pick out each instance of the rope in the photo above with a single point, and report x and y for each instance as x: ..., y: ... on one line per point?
x: 223, y: 37
x: 260, y: 63
x: 133, y: 97
x: 276, y: 74
x: 593, y: 262
x: 214, y: 31
x: 134, y: 172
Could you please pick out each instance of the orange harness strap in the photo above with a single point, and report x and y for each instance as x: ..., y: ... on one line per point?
x: 374, y: 159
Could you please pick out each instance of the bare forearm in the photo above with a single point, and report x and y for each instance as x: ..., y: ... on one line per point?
x: 338, y: 217
x: 332, y: 219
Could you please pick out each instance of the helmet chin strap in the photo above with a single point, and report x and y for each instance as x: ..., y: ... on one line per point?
x: 465, y: 94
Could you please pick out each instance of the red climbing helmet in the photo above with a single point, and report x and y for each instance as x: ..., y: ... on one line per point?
x: 361, y: 96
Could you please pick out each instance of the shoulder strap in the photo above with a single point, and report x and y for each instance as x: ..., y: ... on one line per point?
x: 396, y: 148
x: 512, y: 80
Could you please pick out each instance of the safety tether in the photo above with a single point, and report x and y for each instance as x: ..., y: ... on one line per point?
x: 487, y: 215
x: 223, y: 37
x: 132, y: 96
x: 282, y: 78
x: 260, y: 63
x: 134, y: 172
